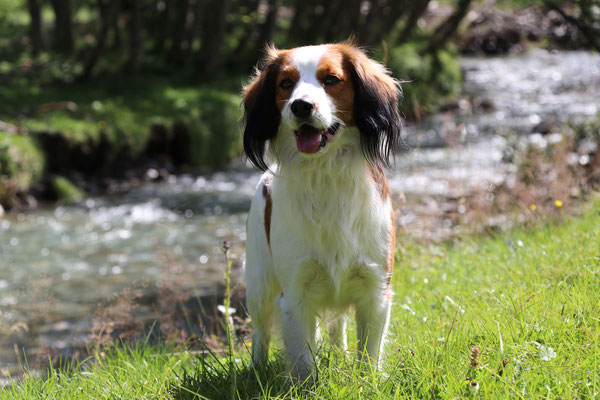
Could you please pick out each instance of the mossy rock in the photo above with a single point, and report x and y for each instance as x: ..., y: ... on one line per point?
x: 66, y: 191
x: 21, y: 165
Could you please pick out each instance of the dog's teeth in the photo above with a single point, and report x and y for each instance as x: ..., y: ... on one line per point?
x: 323, y: 141
x: 333, y: 129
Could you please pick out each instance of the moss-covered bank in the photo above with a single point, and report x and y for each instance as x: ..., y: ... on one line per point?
x: 108, y: 127
x: 21, y: 165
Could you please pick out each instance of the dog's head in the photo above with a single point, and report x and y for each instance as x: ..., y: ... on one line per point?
x: 316, y: 94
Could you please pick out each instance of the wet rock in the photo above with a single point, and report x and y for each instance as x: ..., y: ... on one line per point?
x: 159, y: 142
x: 483, y: 104
x: 491, y: 31
x: 495, y: 31
x: 180, y: 146
x: 549, y: 125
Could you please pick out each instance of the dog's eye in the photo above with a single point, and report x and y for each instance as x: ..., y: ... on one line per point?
x: 286, y: 84
x: 331, y: 80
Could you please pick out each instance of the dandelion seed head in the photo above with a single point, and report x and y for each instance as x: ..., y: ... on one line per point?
x: 475, y: 352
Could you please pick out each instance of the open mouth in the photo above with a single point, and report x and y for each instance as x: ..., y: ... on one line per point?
x: 310, y: 139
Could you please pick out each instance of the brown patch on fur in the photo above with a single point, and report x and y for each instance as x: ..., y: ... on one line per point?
x: 266, y: 191
x: 389, y: 294
x: 268, y: 72
x: 287, y: 70
x: 390, y: 260
x: 376, y: 172
x: 369, y: 70
x: 342, y: 94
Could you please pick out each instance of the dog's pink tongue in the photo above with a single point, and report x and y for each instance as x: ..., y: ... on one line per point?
x: 308, y: 139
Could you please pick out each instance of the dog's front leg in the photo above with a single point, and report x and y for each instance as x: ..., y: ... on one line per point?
x: 372, y: 316
x: 298, y: 328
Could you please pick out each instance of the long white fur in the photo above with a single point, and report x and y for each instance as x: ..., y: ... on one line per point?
x: 329, y: 238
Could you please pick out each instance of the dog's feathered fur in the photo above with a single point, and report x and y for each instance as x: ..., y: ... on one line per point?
x: 321, y: 226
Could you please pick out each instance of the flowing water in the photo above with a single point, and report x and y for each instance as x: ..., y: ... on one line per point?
x: 57, y: 265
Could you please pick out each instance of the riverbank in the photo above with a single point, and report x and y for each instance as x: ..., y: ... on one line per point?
x: 112, y: 130
x: 513, y: 314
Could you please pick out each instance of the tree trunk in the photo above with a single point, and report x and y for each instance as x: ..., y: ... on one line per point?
x: 114, y: 25
x: 267, y: 29
x: 192, y: 31
x: 63, y: 26
x: 213, y: 35
x: 162, y: 32
x: 135, y: 36
x: 448, y: 28
x: 35, y: 27
x: 178, y: 30
x: 108, y: 9
x: 368, y: 32
x: 586, y: 23
x: 297, y: 32
x: 335, y: 20
x: 248, y: 42
x: 416, y: 11
x: 316, y: 28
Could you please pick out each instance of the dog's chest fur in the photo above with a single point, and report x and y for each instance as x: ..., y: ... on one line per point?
x: 331, y: 226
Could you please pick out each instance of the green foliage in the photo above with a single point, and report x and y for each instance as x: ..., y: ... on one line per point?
x: 21, y: 165
x: 528, y: 299
x: 429, y: 79
x: 124, y: 108
x: 66, y: 191
x: 211, y: 118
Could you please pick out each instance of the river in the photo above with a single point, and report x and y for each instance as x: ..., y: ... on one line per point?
x: 58, y: 265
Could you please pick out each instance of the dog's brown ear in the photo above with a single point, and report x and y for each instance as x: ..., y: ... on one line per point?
x: 376, y: 101
x: 261, y: 115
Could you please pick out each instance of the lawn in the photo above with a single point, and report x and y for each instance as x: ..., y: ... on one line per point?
x: 528, y: 299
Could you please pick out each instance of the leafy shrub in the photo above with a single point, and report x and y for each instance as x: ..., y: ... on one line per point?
x: 429, y: 79
x: 21, y: 165
x: 66, y: 191
x: 211, y: 119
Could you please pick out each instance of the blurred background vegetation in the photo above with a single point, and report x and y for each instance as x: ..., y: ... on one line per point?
x: 96, y: 88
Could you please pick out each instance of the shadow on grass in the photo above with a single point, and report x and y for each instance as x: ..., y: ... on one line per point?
x: 215, y: 379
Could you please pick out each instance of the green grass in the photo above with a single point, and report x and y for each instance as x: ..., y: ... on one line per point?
x: 529, y: 298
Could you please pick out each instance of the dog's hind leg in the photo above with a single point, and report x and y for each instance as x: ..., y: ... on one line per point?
x: 336, y: 327
x: 261, y: 283
x: 260, y: 307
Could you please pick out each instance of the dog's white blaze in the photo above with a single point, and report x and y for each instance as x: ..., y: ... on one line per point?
x: 309, y: 88
x: 329, y: 239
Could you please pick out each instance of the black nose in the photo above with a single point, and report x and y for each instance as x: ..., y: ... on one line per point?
x: 302, y: 108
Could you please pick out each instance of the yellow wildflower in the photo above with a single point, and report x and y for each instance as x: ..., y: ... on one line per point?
x: 558, y: 203
x: 533, y: 207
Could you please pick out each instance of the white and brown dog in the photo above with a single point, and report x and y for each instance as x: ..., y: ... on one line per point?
x: 321, y: 226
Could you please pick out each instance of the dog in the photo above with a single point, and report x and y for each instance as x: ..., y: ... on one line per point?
x: 321, y: 229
